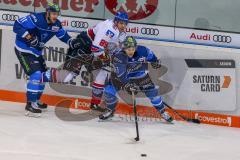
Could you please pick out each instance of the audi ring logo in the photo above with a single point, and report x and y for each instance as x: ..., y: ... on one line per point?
x: 150, y: 31
x: 79, y: 24
x: 9, y: 17
x: 222, y: 39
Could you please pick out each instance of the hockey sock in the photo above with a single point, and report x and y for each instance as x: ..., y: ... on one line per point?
x: 97, y: 92
x: 111, y: 101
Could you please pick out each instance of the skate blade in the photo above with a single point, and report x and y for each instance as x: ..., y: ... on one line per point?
x: 166, y: 122
x: 30, y: 114
x: 108, y: 120
x: 111, y: 119
x: 44, y: 110
x: 98, y: 110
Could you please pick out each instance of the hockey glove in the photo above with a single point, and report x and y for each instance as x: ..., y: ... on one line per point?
x: 74, y: 43
x: 34, y: 42
x: 156, y: 64
x: 105, y: 58
x: 130, y: 87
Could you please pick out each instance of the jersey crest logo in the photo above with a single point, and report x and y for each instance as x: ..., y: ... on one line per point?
x: 109, y: 34
x: 142, y: 59
x: 55, y: 28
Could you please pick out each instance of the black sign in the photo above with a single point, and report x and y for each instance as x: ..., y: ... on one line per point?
x: 150, y: 31
x: 210, y: 63
x: 79, y: 24
x: 10, y: 17
x: 222, y: 39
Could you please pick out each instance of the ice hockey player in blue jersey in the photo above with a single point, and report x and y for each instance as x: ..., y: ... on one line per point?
x: 32, y: 32
x: 130, y: 71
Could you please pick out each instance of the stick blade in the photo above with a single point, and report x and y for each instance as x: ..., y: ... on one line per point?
x: 137, y: 139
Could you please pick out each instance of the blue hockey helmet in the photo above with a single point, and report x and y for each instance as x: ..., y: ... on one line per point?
x: 121, y: 16
x: 51, y: 7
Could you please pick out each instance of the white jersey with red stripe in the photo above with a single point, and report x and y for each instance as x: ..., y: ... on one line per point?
x: 102, y: 34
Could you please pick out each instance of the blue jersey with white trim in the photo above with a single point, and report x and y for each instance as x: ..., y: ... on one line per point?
x: 127, y: 68
x: 36, y: 24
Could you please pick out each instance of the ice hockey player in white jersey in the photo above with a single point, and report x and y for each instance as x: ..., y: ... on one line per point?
x: 113, y: 30
x: 94, y: 42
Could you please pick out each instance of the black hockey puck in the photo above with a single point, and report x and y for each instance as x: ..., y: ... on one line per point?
x: 137, y: 139
x: 143, y: 155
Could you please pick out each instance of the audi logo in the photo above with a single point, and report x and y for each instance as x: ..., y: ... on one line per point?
x: 9, y: 17
x: 79, y: 24
x: 150, y: 31
x: 222, y: 39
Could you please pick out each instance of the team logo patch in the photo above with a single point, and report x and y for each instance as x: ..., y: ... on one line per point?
x: 142, y: 59
x: 55, y: 28
x: 110, y: 34
x: 136, y: 9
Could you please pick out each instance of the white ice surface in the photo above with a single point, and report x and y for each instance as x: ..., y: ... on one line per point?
x: 49, y: 138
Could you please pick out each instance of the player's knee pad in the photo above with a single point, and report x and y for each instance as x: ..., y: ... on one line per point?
x: 101, y: 77
x: 35, y: 82
x: 110, y: 89
x: 43, y: 77
x: 35, y: 86
x: 151, y: 92
x: 36, y: 77
x: 111, y: 101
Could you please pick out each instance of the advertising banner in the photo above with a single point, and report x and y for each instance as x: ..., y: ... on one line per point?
x: 207, y: 83
x: 9, y: 17
x: 160, y: 12
x: 142, y: 31
x: 133, y: 29
x: 17, y: 5
x: 81, y: 8
x: 143, y: 11
x: 207, y: 37
x: 81, y: 24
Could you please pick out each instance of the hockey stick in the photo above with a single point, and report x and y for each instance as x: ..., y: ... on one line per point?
x: 135, y: 113
x: 193, y: 120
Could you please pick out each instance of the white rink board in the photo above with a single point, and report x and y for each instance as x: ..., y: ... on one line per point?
x: 182, y: 93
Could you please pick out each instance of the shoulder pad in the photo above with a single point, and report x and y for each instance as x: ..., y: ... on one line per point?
x: 34, y: 18
x: 140, y: 47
